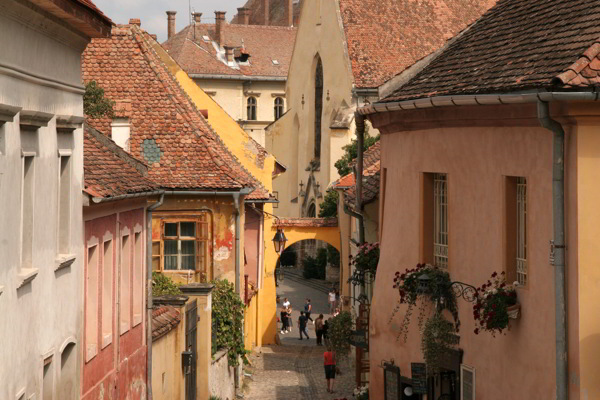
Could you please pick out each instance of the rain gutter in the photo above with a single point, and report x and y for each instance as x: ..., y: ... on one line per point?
x: 542, y: 99
x: 256, y: 78
x: 98, y: 200
x: 149, y: 302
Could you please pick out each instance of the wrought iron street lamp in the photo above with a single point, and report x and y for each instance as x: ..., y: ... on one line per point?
x: 279, y: 241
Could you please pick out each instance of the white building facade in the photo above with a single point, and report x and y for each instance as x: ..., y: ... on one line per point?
x: 41, y: 173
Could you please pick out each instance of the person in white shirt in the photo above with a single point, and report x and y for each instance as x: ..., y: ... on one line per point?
x: 286, y: 302
x: 331, y: 300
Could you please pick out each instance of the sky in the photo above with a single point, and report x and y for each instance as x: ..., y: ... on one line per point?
x: 153, y: 12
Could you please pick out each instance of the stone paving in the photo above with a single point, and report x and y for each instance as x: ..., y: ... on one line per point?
x: 294, y: 369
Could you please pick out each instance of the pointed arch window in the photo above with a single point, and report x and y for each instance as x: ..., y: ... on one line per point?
x: 278, y: 108
x: 251, y: 108
x: 318, y: 106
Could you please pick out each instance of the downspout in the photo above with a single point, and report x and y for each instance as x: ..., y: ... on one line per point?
x: 149, y: 293
x: 360, y: 139
x: 236, y: 203
x: 558, y: 211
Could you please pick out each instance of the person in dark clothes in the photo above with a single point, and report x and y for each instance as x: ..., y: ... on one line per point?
x: 302, y: 325
x: 308, y: 310
x: 325, y: 329
x: 319, y: 329
x: 284, y: 320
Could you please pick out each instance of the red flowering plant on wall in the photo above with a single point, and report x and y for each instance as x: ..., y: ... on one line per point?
x: 365, y: 263
x: 495, y: 304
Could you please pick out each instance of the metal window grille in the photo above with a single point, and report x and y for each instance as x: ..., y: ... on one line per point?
x: 440, y: 234
x: 521, y: 231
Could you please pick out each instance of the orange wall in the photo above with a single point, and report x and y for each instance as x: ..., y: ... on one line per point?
x: 476, y: 160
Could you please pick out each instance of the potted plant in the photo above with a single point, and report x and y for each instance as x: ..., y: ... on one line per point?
x: 427, y: 283
x: 496, y: 303
x: 365, y: 263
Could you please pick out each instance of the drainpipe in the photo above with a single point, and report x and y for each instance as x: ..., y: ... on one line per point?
x: 360, y: 138
x: 356, y: 215
x: 558, y: 204
x: 149, y: 293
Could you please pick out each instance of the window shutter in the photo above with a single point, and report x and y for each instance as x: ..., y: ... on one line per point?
x: 467, y: 383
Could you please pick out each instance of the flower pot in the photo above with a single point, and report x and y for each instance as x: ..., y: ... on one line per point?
x: 514, y: 311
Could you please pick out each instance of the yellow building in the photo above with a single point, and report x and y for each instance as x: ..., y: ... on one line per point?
x: 242, y: 67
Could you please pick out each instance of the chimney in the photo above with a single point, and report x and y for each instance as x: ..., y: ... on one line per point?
x: 135, y: 21
x: 171, y: 23
x: 244, y: 15
x: 197, y: 17
x: 289, y: 12
x: 229, y: 54
x: 266, y: 12
x: 220, y: 22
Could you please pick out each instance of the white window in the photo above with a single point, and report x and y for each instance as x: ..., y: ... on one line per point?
x: 440, y: 218
x: 521, y: 260
x: 125, y: 289
x: 138, y: 282
x: 107, y: 293
x: 120, y: 132
x: 467, y: 383
x: 91, y: 303
x: 251, y: 109
x: 27, y: 207
x: 64, y: 198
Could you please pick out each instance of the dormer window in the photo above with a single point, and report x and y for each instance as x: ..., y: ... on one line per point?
x: 275, y: 62
x: 206, y: 38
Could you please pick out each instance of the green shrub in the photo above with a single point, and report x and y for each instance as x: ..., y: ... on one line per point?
x: 340, y: 332
x: 95, y: 105
x: 163, y: 285
x: 329, y: 206
x: 333, y: 256
x: 288, y: 258
x: 314, y: 267
x: 227, y: 322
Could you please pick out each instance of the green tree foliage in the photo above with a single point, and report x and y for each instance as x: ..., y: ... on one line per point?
x: 333, y: 256
x: 343, y: 165
x: 289, y: 257
x: 328, y: 207
x: 95, y: 105
x: 340, y: 332
x: 227, y: 322
x: 315, y: 267
x: 163, y: 285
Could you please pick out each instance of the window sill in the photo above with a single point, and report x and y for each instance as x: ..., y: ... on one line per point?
x: 64, y: 261
x: 91, y: 352
x: 26, y: 276
x: 137, y: 319
x: 124, y: 328
x: 106, y: 340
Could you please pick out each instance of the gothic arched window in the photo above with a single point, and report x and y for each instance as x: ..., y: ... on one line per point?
x: 251, y: 109
x: 318, y: 106
x: 278, y: 108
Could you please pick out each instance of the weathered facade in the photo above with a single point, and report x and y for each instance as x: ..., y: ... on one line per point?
x: 115, y: 272
x: 344, y: 51
x: 41, y: 174
x: 239, y: 65
x: 488, y: 148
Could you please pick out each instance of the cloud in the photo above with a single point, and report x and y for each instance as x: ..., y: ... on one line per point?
x: 153, y: 12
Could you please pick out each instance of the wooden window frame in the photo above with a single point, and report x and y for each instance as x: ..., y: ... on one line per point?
x: 251, y: 108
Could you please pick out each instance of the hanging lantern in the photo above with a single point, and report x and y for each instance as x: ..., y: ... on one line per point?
x: 279, y: 241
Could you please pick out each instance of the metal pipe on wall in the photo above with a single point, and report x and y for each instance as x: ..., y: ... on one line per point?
x: 558, y: 211
x: 360, y: 139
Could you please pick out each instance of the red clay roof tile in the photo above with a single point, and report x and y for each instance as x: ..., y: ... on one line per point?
x: 164, y: 319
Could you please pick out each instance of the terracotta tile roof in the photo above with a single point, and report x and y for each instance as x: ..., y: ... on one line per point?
x: 166, y: 129
x: 306, y: 222
x: 370, y: 186
x: 164, y: 320
x: 108, y: 170
x: 81, y: 15
x: 345, y: 181
x: 276, y: 12
x: 385, y: 37
x: 92, y: 7
x: 517, y: 45
x: 197, y: 56
x: 370, y: 157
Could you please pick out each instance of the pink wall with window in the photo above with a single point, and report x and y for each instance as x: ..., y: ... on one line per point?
x: 114, y: 351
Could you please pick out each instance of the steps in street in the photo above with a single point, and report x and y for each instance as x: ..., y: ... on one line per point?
x: 295, y: 274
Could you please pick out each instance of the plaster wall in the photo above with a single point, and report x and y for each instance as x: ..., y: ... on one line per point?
x: 221, y: 377
x: 118, y: 369
x: 43, y: 304
x: 291, y: 139
x: 168, y: 382
x: 525, y: 355
x: 344, y: 223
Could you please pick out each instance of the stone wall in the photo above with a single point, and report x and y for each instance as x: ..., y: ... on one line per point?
x: 221, y: 377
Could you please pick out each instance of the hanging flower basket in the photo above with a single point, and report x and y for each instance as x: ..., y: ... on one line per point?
x: 495, y: 305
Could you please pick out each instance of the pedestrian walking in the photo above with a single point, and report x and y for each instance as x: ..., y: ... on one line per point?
x: 284, y: 320
x: 325, y: 331
x: 286, y: 302
x: 308, y: 310
x: 319, y: 329
x: 332, y: 300
x: 289, y: 318
x: 329, y: 362
x: 302, y: 325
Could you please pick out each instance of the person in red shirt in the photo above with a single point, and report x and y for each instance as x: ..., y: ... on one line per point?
x: 329, y: 358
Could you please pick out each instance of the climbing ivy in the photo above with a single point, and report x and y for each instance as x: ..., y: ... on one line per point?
x: 163, y: 285
x: 95, y: 105
x: 340, y: 332
x: 227, y: 322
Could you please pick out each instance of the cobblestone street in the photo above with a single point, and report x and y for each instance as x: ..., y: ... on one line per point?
x: 294, y: 369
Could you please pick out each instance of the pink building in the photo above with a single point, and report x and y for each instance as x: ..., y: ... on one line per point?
x: 114, y: 215
x: 489, y: 153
